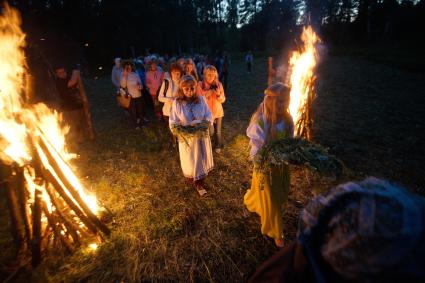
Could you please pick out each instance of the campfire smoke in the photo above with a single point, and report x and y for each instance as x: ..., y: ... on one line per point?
x: 47, y: 202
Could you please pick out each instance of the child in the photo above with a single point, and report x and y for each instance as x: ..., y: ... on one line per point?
x: 190, y: 69
x: 269, y: 191
x: 169, y: 91
x: 153, y: 81
x: 213, y: 91
x: 189, y: 109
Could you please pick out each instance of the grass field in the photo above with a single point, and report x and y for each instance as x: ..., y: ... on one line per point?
x: 369, y: 115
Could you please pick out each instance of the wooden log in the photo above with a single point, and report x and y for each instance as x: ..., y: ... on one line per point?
x: 68, y: 186
x: 56, y: 229
x: 72, y: 229
x: 61, y: 191
x: 270, y: 71
x: 36, y: 220
x: 7, y: 183
x: 86, y: 107
x: 22, y: 192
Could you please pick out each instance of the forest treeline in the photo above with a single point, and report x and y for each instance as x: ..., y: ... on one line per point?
x: 102, y: 29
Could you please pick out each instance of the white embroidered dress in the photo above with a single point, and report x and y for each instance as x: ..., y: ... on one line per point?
x: 196, y: 156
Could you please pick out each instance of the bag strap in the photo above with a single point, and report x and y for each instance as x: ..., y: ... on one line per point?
x: 166, y: 84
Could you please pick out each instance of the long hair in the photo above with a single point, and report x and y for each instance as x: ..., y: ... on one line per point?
x: 274, y: 109
x: 194, y: 73
x: 211, y: 69
x: 187, y: 81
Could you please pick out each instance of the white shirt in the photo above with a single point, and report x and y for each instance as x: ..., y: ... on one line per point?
x: 133, y: 83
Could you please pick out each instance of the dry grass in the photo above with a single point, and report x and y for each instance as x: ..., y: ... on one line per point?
x: 162, y: 230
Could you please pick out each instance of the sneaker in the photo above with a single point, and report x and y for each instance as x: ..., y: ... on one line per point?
x: 137, y: 128
x: 217, y: 150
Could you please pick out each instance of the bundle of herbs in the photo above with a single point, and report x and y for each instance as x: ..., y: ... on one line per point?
x: 297, y: 151
x: 187, y: 132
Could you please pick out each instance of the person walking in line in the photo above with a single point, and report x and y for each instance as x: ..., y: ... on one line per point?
x: 154, y: 78
x: 131, y: 87
x: 190, y: 69
x: 116, y: 74
x: 190, y: 110
x: 211, y: 88
x: 169, y: 92
x: 269, y: 190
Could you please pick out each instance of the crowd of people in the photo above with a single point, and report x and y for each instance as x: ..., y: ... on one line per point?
x: 358, y: 231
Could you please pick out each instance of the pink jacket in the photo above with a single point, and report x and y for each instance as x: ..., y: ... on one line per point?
x: 154, y: 81
x: 214, y: 101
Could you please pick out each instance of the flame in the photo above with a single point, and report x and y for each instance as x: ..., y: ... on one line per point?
x: 302, y: 64
x: 20, y: 122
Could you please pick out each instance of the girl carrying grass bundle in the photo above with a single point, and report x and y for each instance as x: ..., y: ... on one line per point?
x: 269, y: 190
x: 189, y: 121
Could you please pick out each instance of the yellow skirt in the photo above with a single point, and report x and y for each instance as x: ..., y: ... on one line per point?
x: 267, y: 195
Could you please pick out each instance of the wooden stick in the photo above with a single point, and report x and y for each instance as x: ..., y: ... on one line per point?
x: 270, y: 71
x: 58, y: 185
x: 18, y: 233
x: 36, y: 232
x: 54, y: 164
x: 23, y: 197
x: 86, y: 107
x: 56, y: 230
x: 61, y: 190
x: 70, y: 227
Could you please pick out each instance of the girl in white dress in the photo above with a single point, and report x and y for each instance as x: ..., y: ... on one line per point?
x: 189, y: 110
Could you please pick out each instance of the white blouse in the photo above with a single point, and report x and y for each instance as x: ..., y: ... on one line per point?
x: 257, y: 135
x: 184, y: 113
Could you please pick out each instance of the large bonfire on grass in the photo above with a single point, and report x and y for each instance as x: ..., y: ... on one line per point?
x: 300, y: 150
x: 47, y: 203
x: 301, y: 81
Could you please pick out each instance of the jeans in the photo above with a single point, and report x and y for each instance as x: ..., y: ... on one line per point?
x: 215, y: 131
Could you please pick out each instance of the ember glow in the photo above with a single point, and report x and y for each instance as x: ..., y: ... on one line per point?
x: 27, y: 131
x: 302, y: 64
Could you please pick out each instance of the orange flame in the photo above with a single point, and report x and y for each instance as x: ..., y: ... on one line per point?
x: 302, y: 64
x: 20, y: 123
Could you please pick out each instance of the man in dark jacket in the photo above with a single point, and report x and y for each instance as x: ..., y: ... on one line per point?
x: 71, y: 103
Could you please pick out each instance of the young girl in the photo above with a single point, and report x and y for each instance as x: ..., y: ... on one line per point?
x: 213, y: 91
x: 190, y: 69
x: 153, y: 81
x: 269, y: 191
x: 169, y: 91
x: 195, y: 152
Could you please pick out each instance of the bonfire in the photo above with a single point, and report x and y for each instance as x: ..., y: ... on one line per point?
x: 300, y: 150
x: 48, y: 205
x: 301, y: 81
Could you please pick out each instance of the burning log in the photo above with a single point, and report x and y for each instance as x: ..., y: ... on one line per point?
x: 71, y: 228
x: 33, y: 160
x: 56, y: 229
x: 36, y: 231
x: 22, y: 199
x: 301, y: 80
x: 53, y: 162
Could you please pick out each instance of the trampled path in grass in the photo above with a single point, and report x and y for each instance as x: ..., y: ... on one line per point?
x: 368, y: 114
